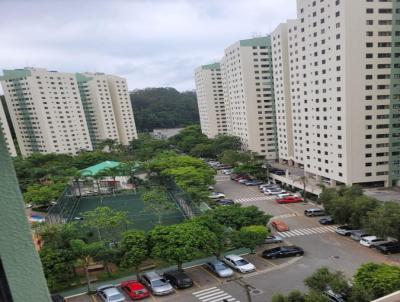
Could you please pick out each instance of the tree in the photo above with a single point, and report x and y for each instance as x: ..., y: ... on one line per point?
x: 113, y: 173
x: 156, y: 201
x: 250, y: 237
x: 57, y: 265
x: 147, y: 147
x: 314, y: 296
x: 43, y: 194
x: 106, y: 221
x: 107, y: 255
x: 83, y: 253
x: 304, y: 180
x: 135, y: 249
x: 181, y: 242
x: 381, y: 279
x: 384, y: 220
x: 57, y: 236
x: 323, y: 279
x: 234, y: 158
x: 236, y: 216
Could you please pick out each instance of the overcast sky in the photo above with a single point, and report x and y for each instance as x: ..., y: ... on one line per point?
x: 150, y: 42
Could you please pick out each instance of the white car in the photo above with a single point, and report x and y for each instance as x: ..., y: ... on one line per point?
x: 274, y: 191
x: 243, y: 180
x: 239, y: 264
x: 227, y: 171
x: 371, y: 241
x: 109, y: 293
x: 216, y: 195
x: 283, y: 195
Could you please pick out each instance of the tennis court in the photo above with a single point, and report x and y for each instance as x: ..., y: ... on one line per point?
x: 132, y: 204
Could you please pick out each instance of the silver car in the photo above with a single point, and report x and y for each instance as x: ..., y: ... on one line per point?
x: 220, y: 269
x: 358, y: 235
x: 273, y: 239
x: 158, y: 285
x: 109, y: 293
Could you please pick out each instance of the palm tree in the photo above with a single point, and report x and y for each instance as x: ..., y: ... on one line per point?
x: 113, y: 172
x: 304, y: 180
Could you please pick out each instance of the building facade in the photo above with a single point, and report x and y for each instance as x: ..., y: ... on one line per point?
x: 5, y: 129
x: 249, y: 94
x: 54, y: 112
x: 210, y: 100
x: 343, y: 90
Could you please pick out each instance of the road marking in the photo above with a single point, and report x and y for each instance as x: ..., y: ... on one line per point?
x: 286, y: 215
x: 215, y: 278
x: 93, y: 297
x: 195, y: 283
x: 213, y: 294
x: 257, y: 198
x: 307, y: 231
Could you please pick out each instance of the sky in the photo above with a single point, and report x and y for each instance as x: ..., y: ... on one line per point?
x: 152, y: 43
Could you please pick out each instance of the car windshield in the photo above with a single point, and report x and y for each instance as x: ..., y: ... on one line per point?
x: 140, y: 291
x: 220, y: 266
x: 116, y: 297
x: 186, y: 280
x: 159, y: 282
x: 241, y: 262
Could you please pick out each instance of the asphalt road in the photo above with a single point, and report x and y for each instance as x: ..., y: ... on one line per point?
x: 323, y: 247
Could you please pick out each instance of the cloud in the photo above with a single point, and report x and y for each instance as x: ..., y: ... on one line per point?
x: 150, y: 42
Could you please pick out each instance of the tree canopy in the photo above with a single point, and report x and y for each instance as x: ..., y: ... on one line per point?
x: 163, y: 108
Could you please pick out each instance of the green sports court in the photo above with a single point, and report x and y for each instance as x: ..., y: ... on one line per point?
x: 132, y: 204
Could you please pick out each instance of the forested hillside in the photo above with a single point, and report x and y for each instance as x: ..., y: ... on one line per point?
x: 163, y: 108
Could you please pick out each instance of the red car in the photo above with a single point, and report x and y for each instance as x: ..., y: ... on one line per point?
x: 135, y: 290
x: 289, y: 199
x: 280, y: 226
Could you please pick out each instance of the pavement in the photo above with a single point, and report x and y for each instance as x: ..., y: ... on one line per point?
x: 323, y: 247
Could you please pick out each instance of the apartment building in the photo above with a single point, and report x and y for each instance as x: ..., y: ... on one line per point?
x: 55, y: 112
x: 249, y: 94
x: 5, y: 129
x: 107, y: 107
x: 341, y: 84
x: 210, y: 100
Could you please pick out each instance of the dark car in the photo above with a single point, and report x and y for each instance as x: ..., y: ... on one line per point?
x: 178, y: 279
x: 278, y: 172
x: 389, y: 247
x: 225, y: 202
x: 326, y: 220
x: 283, y: 251
x: 253, y: 182
x: 57, y: 298
x: 335, y: 297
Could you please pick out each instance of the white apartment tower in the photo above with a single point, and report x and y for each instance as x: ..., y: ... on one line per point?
x: 4, y: 127
x: 210, y: 100
x: 55, y: 112
x: 249, y: 94
x: 341, y: 85
x: 46, y: 111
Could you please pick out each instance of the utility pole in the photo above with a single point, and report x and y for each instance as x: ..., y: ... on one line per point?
x: 247, y: 287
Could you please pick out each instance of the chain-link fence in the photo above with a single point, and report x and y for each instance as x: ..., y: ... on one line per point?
x: 64, y: 208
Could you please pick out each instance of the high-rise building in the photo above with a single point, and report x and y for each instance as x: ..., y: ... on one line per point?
x: 21, y: 274
x: 341, y: 84
x: 249, y: 94
x: 67, y: 113
x: 5, y: 129
x: 210, y: 100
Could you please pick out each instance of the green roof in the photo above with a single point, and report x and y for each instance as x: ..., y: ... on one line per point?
x: 259, y: 41
x: 93, y: 170
x: 211, y: 66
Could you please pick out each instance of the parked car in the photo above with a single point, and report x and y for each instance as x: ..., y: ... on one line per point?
x: 278, y: 172
x: 216, y: 195
x: 334, y: 297
x: 135, y: 290
x: 283, y: 195
x: 253, y: 182
x: 158, y: 285
x: 57, y: 298
x: 273, y: 239
x: 326, y: 220
x: 279, y: 225
x: 314, y: 212
x: 244, y: 180
x: 227, y: 171
x: 273, y: 191
x: 345, y: 230
x: 371, y: 241
x: 239, y: 264
x: 388, y: 247
x: 289, y: 199
x: 178, y: 279
x: 110, y: 293
x: 237, y: 178
x: 267, y: 186
x: 211, y: 188
x: 225, y: 202
x: 283, y: 251
x: 220, y: 269
x: 357, y: 235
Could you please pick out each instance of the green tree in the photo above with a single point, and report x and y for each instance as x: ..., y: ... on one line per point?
x: 250, y: 237
x: 57, y: 236
x: 83, y: 253
x: 384, y: 220
x: 314, y: 296
x: 106, y: 222
x: 236, y: 216
x: 381, y: 279
x: 146, y: 147
x: 135, y: 249
x: 43, y: 194
x: 57, y: 265
x: 107, y: 255
x: 323, y: 279
x: 156, y: 201
x: 234, y: 158
x: 181, y: 242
